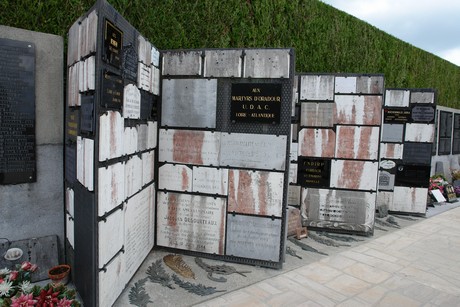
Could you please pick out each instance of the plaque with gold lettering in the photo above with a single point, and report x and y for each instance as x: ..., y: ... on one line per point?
x: 314, y: 172
x: 112, y: 90
x: 113, y: 42
x: 256, y: 103
x: 396, y: 115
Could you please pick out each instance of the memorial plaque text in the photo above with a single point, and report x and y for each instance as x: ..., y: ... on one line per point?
x: 314, y: 172
x: 113, y: 42
x: 396, y: 116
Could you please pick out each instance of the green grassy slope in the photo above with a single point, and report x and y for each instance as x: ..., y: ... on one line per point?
x: 325, y: 39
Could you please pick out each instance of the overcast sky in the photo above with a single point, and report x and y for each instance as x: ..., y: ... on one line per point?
x: 432, y: 25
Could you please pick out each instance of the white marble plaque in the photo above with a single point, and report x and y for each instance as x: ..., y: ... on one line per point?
x: 91, y: 32
x: 142, y: 137
x: 345, y: 85
x: 187, y: 63
x: 111, y: 135
x: 175, y: 177
x: 253, y: 237
x: 70, y: 230
x: 139, y: 228
x: 411, y: 200
x: 384, y: 199
x: 81, y: 76
x: 295, y: 95
x: 133, y: 176
x: 82, y: 41
x: 370, y: 84
x: 148, y: 167
x: 70, y: 202
x: 189, y: 147
x: 73, y: 43
x: 358, y: 109
x: 111, y: 187
x: 317, y: 143
x: 131, y: 102
x: 354, y: 142
x: 293, y: 197
x: 210, y: 180
x: 80, y: 160
x: 254, y: 192
x: 191, y: 222
x: 422, y: 97
x: 419, y: 133
x: 73, y: 95
x: 317, y: 87
x: 294, y: 151
x: 397, y: 98
x: 391, y: 151
x: 260, y: 151
x: 266, y: 63
x: 90, y: 68
x: 189, y: 103
x: 155, y: 57
x: 112, y: 281
x: 130, y: 140
x: 392, y: 133
x: 386, y: 180
x: 222, y: 63
x: 155, y: 81
x: 317, y: 114
x: 85, y: 162
x: 144, y: 73
x: 354, y: 175
x: 110, y: 236
x: 152, y: 133
x: 293, y: 167
x: 144, y: 50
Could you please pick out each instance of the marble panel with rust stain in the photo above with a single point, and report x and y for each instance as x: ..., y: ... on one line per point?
x: 182, y: 63
x: 148, y: 167
x: 112, y: 280
x: 355, y: 142
x: 254, y: 192
x: 223, y: 63
x: 409, y: 199
x: 419, y: 133
x: 210, y: 180
x: 175, y: 177
x: 317, y: 143
x: 133, y: 176
x: 370, y: 84
x: 266, y: 63
x: 317, y: 114
x: 111, y: 189
x: 354, y: 175
x: 391, y: 150
x: 397, y: 98
x: 130, y: 140
x: 358, y: 109
x: 110, y: 236
x: 384, y: 198
x: 421, y: 97
x: 111, y: 135
x: 317, y: 87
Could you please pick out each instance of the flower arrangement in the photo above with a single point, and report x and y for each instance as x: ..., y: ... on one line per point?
x: 16, y: 290
x: 437, y: 182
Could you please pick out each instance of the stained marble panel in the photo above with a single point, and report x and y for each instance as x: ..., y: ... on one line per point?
x: 397, y: 98
x: 317, y: 114
x: 131, y: 102
x: 317, y: 143
x: 111, y: 187
x: 357, y: 142
x: 419, y: 133
x: 210, y: 180
x: 223, y: 63
x: 148, y: 167
x: 317, y: 87
x: 370, y: 84
x: 111, y: 135
x: 175, y: 177
x: 358, y: 110
x: 133, y: 176
x: 187, y: 63
x: 391, y: 151
x: 421, y: 97
x: 354, y: 175
x: 110, y: 236
x: 410, y: 200
x: 266, y: 63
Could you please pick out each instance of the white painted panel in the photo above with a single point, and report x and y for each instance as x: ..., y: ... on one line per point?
x: 293, y: 167
x: 355, y: 142
x: 90, y: 73
x: 397, y: 98
x: 293, y: 197
x: 80, y: 160
x: 131, y: 102
x: 422, y: 97
x: 317, y: 87
x: 294, y: 151
x: 144, y: 50
x: 155, y: 57
x: 88, y: 169
x: 70, y: 230
x: 144, y: 75
x: 111, y: 187
x: 189, y: 147
x: 411, y: 200
x: 91, y: 32
x: 142, y: 137
x: 260, y: 151
x: 133, y: 176
x: 112, y: 281
x: 182, y: 63
x: 111, y: 135
x: 391, y: 151
x: 111, y: 236
x: 155, y: 81
x: 354, y: 175
x: 148, y: 167
x: 130, y: 140
x: 419, y: 133
x: 152, y: 133
x: 210, y: 180
x: 317, y: 143
x: 266, y: 63
x: 175, y: 177
x: 70, y: 202
x: 223, y: 63
x: 317, y: 114
x: 254, y: 192
x: 358, y: 109
x: 345, y: 85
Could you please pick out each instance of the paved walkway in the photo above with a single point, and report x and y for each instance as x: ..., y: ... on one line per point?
x: 418, y: 265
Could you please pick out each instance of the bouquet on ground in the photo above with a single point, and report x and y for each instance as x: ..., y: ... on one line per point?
x: 437, y: 182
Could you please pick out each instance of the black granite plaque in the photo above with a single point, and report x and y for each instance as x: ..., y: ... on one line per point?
x: 256, y: 103
x: 417, y: 153
x: 413, y: 176
x: 72, y: 120
x: 87, y: 114
x: 396, y: 115
x: 147, y: 103
x: 112, y: 90
x: 423, y: 113
x: 17, y: 112
x: 71, y: 162
x: 314, y: 172
x: 129, y: 63
x: 113, y: 42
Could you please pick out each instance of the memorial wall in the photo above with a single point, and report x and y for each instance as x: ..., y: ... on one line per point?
x: 336, y: 132
x: 110, y: 151
x: 406, y: 148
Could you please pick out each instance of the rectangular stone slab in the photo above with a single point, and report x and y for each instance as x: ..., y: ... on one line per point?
x: 210, y: 180
x: 175, y: 177
x: 317, y: 87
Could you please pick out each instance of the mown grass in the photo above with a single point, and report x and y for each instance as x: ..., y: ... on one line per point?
x: 325, y: 39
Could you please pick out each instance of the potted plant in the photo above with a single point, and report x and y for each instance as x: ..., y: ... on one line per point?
x: 59, y: 274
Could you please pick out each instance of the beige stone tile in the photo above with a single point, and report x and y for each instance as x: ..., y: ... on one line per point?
x: 445, y: 299
x: 319, y: 272
x: 373, y: 295
x: 353, y: 303
x: 348, y: 285
x: 383, y: 255
x: 396, y: 299
x: 338, y: 261
x: 367, y: 273
x: 288, y: 298
x: 318, y: 290
x: 431, y: 280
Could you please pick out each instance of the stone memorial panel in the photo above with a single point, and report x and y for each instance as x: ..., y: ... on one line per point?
x: 256, y: 102
x: 422, y: 113
x: 392, y: 133
x: 413, y: 176
x: 144, y: 75
x: 266, y: 63
x: 133, y: 176
x: 129, y: 66
x: 259, y: 151
x: 253, y: 237
x: 422, y: 97
x: 317, y: 114
x: 91, y: 32
x: 73, y: 95
x: 357, y: 142
x: 112, y: 90
x: 130, y: 140
x: 111, y: 236
x: 142, y: 137
x: 155, y: 57
x: 69, y: 228
x: 82, y: 41
x: 71, y: 163
x: 314, y: 172
x: 384, y: 199
x: 397, y: 98
x: 72, y: 122
x: 317, y: 143
x: 73, y: 43
x: 386, y: 181
x: 81, y: 76
x: 345, y: 85
x: 295, y: 96
x: 148, y: 104
x: 155, y: 81
x: 86, y: 114
x: 111, y: 181
x: 85, y: 162
x: 222, y: 63
x: 187, y: 63
x: 370, y: 84
x: 148, y: 167
x: 131, y: 102
x: 317, y: 87
x: 175, y: 177
x: 294, y: 152
x: 70, y: 202
x: 417, y: 153
x: 294, y: 223
x: 358, y: 109
x: 112, y: 281
x: 90, y: 69
x: 189, y: 103
x: 144, y: 49
x: 254, y: 192
x: 409, y: 199
x: 293, y: 170
x: 17, y: 112
x: 189, y: 147
x: 354, y: 175
x: 293, y: 197
x: 113, y: 42
x: 191, y: 222
x: 391, y: 151
x: 111, y: 135
x: 210, y: 180
x: 152, y: 133
x: 396, y: 116
x: 419, y: 133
